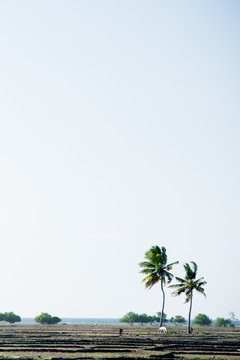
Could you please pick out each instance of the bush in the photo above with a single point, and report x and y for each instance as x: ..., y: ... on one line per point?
x: 10, y: 317
x: 178, y: 319
x: 223, y: 322
x: 132, y: 317
x: 144, y: 319
x: 202, y: 319
x: 45, y: 318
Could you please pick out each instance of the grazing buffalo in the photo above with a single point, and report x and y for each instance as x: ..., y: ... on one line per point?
x: 162, y: 329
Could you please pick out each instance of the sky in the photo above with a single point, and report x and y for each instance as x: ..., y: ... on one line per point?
x: 119, y: 130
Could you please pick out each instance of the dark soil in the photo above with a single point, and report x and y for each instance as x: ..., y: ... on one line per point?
x: 63, y: 342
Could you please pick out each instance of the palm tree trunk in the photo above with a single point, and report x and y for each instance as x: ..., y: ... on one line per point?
x: 189, y: 316
x: 163, y: 303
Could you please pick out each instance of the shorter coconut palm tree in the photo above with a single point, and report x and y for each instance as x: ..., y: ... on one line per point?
x: 187, y: 285
x: 157, y: 269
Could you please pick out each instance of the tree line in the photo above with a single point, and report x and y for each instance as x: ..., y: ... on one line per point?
x: 200, y: 319
x: 43, y: 318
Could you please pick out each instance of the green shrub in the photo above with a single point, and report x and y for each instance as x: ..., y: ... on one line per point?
x: 221, y: 322
x: 178, y: 319
x: 202, y: 319
x: 45, y: 318
x: 10, y: 317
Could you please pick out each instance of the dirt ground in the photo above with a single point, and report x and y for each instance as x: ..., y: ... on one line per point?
x: 58, y: 342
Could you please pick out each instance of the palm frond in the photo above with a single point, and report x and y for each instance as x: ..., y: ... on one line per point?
x: 200, y: 290
x: 201, y: 282
x: 169, y: 266
x: 146, y: 264
x: 147, y: 267
x: 150, y: 281
x: 179, y: 291
x: 195, y: 267
x: 190, y: 273
x: 180, y: 280
x: 169, y: 276
x: 147, y: 271
x: 174, y: 286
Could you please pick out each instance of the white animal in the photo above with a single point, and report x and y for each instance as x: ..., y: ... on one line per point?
x: 162, y: 329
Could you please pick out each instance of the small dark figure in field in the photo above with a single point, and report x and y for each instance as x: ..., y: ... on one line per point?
x: 120, y: 331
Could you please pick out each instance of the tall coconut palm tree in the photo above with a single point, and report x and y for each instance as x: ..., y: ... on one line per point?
x: 187, y: 285
x: 157, y: 269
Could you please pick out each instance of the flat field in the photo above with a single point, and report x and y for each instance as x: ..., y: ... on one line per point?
x: 104, y: 342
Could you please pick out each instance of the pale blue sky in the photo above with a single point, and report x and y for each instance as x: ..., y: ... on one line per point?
x: 119, y: 130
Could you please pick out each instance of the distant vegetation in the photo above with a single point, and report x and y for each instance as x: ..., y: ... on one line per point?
x: 10, y: 317
x: 178, y: 319
x: 45, y: 318
x: 223, y: 322
x: 202, y: 319
x: 132, y: 318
